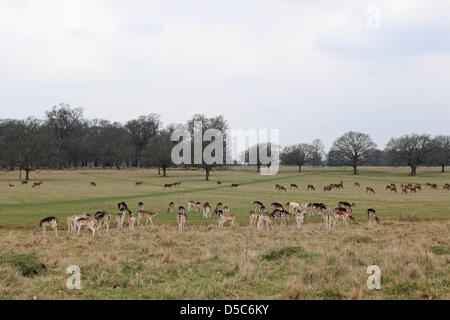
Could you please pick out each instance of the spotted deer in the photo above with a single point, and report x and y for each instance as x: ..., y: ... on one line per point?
x: 292, y: 206
x: 131, y: 221
x: 372, y: 216
x: 342, y: 214
x: 207, y: 211
x: 253, y: 217
x: 224, y: 217
x: 181, y: 219
x: 89, y: 222
x: 123, y: 207
x: 300, y: 218
x: 258, y: 205
x: 265, y: 218
x: 190, y: 205
x: 120, y: 219
x: 147, y: 215
x: 103, y: 220
x: 171, y: 207
x: 370, y: 190
x: 50, y: 222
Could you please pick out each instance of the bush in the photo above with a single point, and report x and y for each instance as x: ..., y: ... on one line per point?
x: 27, y: 264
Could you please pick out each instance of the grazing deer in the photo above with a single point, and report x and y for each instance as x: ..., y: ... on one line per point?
x: 277, y: 186
x: 293, y: 186
x: 292, y: 206
x: 342, y: 214
x: 282, y: 188
x: 139, y: 183
x: 258, y: 205
x: 147, y: 215
x: 190, y: 204
x: 393, y: 188
x: 123, y: 207
x: 234, y: 185
x: 24, y: 182
x: 119, y: 219
x: 103, y: 220
x: 418, y: 186
x: 372, y: 217
x: 434, y: 186
x: 72, y: 221
x: 51, y: 222
x: 131, y: 221
x: 89, y: 222
x: 446, y: 186
x: 276, y: 205
x: 404, y: 189
x: 356, y: 184
x: 310, y: 207
x: 11, y: 185
x: 300, y: 218
x: 388, y: 187
x: 310, y: 187
x: 285, y: 217
x: 171, y: 207
x: 345, y: 204
x: 327, y: 188
x: 219, y: 182
x: 37, y: 184
x: 167, y: 185
x: 92, y: 184
x: 181, y: 219
x: 370, y: 190
x: 224, y: 217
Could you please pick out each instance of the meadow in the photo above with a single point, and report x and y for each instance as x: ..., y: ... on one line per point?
x: 411, y: 244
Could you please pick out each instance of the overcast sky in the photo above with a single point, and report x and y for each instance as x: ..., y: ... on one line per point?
x: 310, y: 68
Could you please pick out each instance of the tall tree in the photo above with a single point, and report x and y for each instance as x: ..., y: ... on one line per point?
x: 218, y: 123
x: 158, y: 150
x: 252, y: 154
x: 140, y: 131
x: 440, y: 146
x: 298, y: 154
x: 317, y: 152
x: 352, y: 149
x: 411, y: 150
x: 21, y: 141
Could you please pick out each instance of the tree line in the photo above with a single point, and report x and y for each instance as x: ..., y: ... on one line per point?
x: 66, y: 139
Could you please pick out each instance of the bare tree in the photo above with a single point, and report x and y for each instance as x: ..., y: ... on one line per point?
x: 440, y: 146
x: 411, y: 150
x: 140, y: 131
x: 352, y: 149
x: 317, y: 152
x: 298, y: 154
x: 255, y: 151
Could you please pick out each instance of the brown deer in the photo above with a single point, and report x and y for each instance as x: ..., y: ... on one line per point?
x: 310, y: 187
x: 139, y: 183
x: 327, y: 188
x: 219, y: 182
x: 51, y: 222
x: 171, y: 207
x: 24, y: 182
x: 293, y: 186
x: 167, y: 185
x: 37, y: 184
x: 11, y: 185
x: 103, y: 219
x: 89, y: 222
x: 370, y: 190
x: 190, y: 204
x: 181, y: 218
x: 356, y: 184
x: 92, y: 184
x: 234, y: 185
x: 446, y: 186
x: 224, y: 217
x: 372, y: 216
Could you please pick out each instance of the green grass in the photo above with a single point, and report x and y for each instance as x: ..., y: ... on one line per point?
x: 67, y: 192
x: 27, y: 264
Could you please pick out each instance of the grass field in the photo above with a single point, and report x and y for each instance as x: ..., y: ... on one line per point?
x: 411, y: 244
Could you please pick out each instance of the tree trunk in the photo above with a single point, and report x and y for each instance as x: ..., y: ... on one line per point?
x: 355, y: 170
x: 207, y: 174
x: 413, y: 170
x: 299, y: 168
x: 443, y: 168
x: 27, y: 174
x: 159, y: 171
x: 164, y: 172
x: 258, y: 167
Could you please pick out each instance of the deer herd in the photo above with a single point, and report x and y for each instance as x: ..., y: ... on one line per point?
x: 260, y: 217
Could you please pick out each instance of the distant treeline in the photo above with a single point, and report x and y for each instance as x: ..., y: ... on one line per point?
x: 65, y: 139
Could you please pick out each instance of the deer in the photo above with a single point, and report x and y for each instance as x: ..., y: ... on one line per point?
x: 198, y: 207
x: 24, y: 182
x: 37, y: 184
x: 167, y: 185
x: 258, y: 204
x: 89, y: 222
x: 345, y: 204
x: 418, y: 186
x: 219, y: 182
x: 224, y: 217
x: 51, y: 222
x: 276, y: 205
x: 181, y: 219
x: 356, y: 184
x: 72, y: 221
x: 372, y: 217
x: 300, y: 218
x: 327, y: 188
x: 264, y: 218
x: 171, y: 207
x: 292, y: 206
x: 139, y: 183
x: 310, y: 187
x: 92, y: 184
x: 119, y: 219
x: 342, y: 214
x: 293, y: 186
x: 234, y: 185
x: 253, y: 217
x: 207, y: 212
x: 103, y: 220
x: 123, y: 207
x: 131, y: 221
x: 147, y: 215
x: 446, y: 186
x: 190, y: 204
x: 370, y: 190
x: 330, y: 220
x: 141, y: 206
x: 11, y: 185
